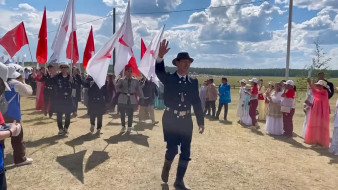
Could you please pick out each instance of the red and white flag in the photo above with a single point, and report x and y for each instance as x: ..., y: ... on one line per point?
x: 143, y: 48
x: 72, y: 51
x: 14, y: 39
x: 42, y: 49
x: 148, y: 61
x: 125, y: 45
x: 89, y: 49
x: 97, y: 66
x: 67, y: 26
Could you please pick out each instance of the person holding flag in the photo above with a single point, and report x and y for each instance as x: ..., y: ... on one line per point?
x: 63, y: 102
x: 127, y: 87
x: 181, y: 93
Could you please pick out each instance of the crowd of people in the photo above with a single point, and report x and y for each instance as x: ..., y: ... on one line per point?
x: 59, y: 89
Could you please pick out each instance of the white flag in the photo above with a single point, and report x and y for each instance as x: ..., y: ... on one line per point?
x: 147, y: 65
x: 98, y: 65
x: 23, y: 60
x: 67, y: 25
x: 125, y: 43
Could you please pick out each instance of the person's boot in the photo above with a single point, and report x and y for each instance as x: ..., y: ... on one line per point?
x: 165, y: 170
x: 181, y: 169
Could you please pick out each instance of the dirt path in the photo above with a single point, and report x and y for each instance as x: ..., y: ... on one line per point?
x: 225, y: 157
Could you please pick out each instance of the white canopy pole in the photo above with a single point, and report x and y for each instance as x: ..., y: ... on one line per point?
x: 289, y: 41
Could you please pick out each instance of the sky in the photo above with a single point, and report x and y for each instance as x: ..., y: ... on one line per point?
x: 216, y: 33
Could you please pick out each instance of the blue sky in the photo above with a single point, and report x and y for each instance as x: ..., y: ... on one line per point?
x: 241, y: 36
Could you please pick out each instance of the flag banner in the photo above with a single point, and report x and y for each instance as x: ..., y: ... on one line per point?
x: 143, y: 48
x: 125, y: 45
x: 147, y: 65
x: 72, y: 49
x: 122, y: 40
x: 42, y: 48
x: 14, y: 39
x: 67, y: 26
x: 89, y: 49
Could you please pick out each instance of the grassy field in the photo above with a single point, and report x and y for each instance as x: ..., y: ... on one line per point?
x: 226, y: 156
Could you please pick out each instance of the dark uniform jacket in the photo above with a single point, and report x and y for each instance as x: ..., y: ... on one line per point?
x: 179, y: 95
x: 49, y: 83
x: 77, y: 86
x: 96, y: 97
x: 331, y: 91
x: 63, y: 101
x: 149, y: 92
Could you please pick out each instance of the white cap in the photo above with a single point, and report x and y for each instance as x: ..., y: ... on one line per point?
x: 243, y: 81
x: 290, y: 82
x: 4, y: 75
x: 63, y: 64
x: 254, y: 80
x: 12, y: 73
x: 248, y: 87
x: 323, y: 83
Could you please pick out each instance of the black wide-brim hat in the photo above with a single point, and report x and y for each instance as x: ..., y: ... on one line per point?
x: 181, y: 56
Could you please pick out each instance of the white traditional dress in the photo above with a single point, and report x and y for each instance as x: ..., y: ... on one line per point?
x: 240, y: 101
x: 334, y: 141
x: 203, y: 92
x: 245, y: 117
x: 307, y: 109
x: 274, y: 117
x: 261, y: 104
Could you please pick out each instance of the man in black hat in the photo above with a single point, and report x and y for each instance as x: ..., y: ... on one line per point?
x: 48, y: 92
x: 180, y: 93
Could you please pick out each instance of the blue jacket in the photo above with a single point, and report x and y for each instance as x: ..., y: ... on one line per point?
x: 224, y: 91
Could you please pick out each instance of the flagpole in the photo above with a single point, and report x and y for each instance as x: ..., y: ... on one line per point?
x: 289, y: 41
x: 114, y: 25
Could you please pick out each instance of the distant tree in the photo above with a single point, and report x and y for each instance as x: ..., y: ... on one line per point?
x: 320, y: 62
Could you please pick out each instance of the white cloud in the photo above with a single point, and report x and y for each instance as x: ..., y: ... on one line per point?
x: 26, y: 6
x: 3, y: 2
x: 316, y: 5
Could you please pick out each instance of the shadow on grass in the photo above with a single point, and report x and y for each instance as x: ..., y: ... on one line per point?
x: 290, y: 140
x: 36, y: 119
x: 138, y: 139
x: 73, y: 163
x: 95, y: 159
x: 165, y: 186
x: 143, y: 126
x: 257, y: 132
x: 81, y: 139
x: 9, y: 159
x: 49, y: 141
x: 225, y: 122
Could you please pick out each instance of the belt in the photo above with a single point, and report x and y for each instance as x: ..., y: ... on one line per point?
x: 178, y: 113
x: 128, y: 94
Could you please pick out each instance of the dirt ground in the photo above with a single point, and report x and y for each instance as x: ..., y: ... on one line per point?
x: 226, y: 156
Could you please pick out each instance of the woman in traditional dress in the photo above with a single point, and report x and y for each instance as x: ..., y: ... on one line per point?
x: 307, y: 108
x: 334, y: 141
x: 245, y: 116
x: 261, y: 101
x: 203, y: 92
x: 40, y: 86
x: 274, y: 118
x: 241, y: 98
x: 288, y: 107
x: 317, y: 132
x: 254, y: 103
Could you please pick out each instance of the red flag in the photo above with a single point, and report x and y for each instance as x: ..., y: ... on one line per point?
x: 143, y: 48
x: 14, y: 39
x: 89, y: 49
x: 42, y: 49
x: 72, y: 50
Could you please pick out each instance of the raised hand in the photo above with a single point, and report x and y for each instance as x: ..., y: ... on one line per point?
x: 163, y: 48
